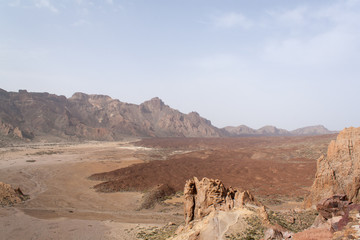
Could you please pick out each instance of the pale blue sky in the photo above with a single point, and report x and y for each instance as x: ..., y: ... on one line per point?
x: 284, y: 63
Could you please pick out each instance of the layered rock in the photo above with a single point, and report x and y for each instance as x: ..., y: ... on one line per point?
x: 338, y: 173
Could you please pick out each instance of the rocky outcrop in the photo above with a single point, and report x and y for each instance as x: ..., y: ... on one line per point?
x: 11, y: 131
x: 95, y: 117
x: 10, y: 196
x: 208, y: 195
x: 213, y: 211
x: 210, y: 209
x: 338, y: 173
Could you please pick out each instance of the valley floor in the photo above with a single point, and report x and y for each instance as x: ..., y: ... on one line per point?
x: 64, y: 205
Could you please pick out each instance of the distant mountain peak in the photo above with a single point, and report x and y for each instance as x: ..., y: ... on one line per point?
x: 154, y: 104
x: 79, y: 96
x: 270, y: 130
x: 312, y: 130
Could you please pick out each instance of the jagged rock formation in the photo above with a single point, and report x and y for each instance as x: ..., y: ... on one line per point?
x: 214, y: 212
x: 95, y: 117
x: 10, y: 196
x: 208, y: 195
x: 210, y: 209
x: 243, y: 130
x: 338, y: 173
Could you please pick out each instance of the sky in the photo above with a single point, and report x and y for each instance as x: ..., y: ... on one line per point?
x: 284, y: 63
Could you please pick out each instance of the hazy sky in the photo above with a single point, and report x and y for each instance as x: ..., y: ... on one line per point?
x: 284, y: 63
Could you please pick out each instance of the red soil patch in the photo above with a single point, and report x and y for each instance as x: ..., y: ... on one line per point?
x: 265, y: 165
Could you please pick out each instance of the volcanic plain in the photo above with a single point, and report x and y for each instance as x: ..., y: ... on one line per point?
x: 95, y: 190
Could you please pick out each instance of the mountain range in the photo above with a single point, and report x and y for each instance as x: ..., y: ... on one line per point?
x: 32, y: 115
x: 243, y: 130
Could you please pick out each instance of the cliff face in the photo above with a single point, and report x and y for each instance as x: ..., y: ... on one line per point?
x: 95, y: 117
x: 339, y: 171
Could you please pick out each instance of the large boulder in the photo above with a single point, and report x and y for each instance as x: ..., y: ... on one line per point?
x: 338, y: 173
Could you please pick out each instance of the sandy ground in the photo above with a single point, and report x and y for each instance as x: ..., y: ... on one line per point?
x: 63, y: 204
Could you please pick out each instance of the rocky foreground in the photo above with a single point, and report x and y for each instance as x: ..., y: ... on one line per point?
x: 212, y: 211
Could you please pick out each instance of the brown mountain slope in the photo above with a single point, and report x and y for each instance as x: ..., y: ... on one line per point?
x: 96, y: 117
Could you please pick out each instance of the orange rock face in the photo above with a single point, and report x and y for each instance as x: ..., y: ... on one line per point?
x: 338, y: 173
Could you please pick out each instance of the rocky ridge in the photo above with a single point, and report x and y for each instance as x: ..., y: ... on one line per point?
x: 95, y: 117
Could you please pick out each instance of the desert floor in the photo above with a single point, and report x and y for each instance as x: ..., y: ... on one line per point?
x: 64, y: 205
